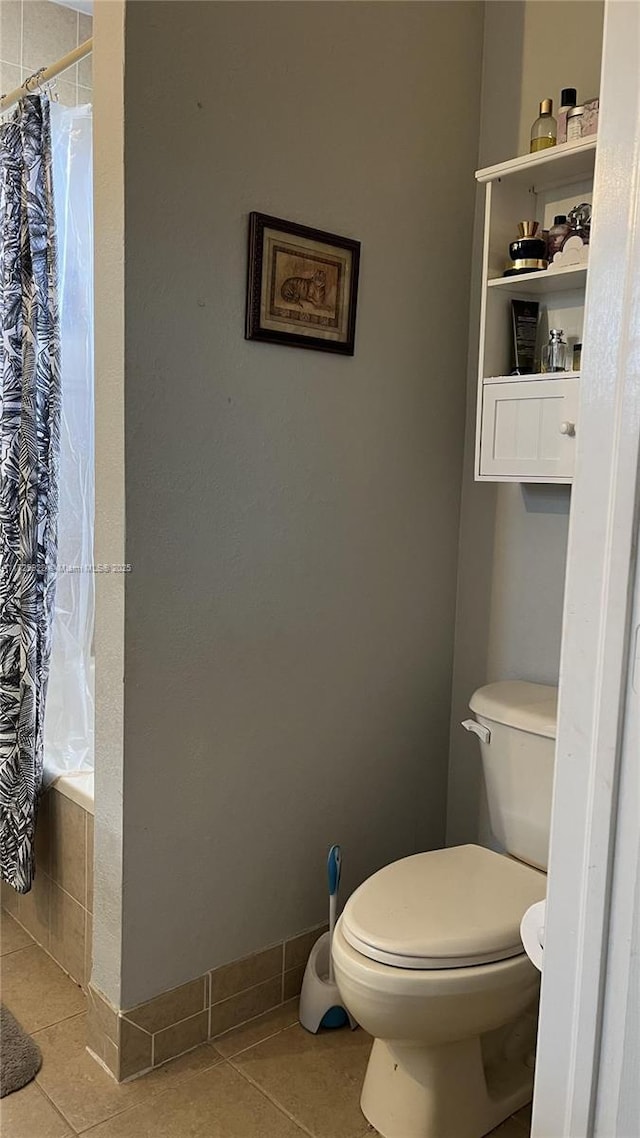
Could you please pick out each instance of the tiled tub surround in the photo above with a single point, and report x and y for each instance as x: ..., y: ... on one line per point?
x: 57, y: 912
x: 132, y: 1042
x: 35, y: 33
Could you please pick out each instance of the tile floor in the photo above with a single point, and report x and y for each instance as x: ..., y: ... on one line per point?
x: 267, y: 1079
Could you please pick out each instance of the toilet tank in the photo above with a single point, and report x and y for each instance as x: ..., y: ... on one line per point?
x: 517, y: 743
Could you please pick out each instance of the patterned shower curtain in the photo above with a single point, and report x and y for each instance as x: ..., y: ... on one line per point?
x: 29, y: 444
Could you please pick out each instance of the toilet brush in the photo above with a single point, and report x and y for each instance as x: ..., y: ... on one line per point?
x: 334, y: 866
x: 320, y: 1001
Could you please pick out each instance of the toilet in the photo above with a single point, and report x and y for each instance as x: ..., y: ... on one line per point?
x: 428, y: 956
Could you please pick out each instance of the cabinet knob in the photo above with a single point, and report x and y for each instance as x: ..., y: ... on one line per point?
x: 568, y: 428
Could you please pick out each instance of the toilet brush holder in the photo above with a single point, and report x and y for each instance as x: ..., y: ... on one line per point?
x: 320, y: 1002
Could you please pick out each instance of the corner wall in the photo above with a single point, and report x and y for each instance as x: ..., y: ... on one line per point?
x: 292, y: 517
x: 513, y: 538
x: 109, y: 541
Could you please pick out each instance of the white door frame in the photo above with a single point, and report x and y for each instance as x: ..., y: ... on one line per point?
x: 618, y: 1092
x: 592, y: 749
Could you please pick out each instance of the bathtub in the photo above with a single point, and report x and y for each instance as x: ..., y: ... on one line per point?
x: 78, y: 786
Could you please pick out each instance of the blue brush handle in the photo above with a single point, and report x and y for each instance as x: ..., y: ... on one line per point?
x: 334, y: 864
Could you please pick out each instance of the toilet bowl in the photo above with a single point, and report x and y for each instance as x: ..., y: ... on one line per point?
x: 453, y: 1038
x: 428, y: 957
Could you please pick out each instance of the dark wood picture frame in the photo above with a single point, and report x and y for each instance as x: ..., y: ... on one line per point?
x: 324, y: 299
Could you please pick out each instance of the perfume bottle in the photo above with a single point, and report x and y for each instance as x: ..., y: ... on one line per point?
x: 560, y: 230
x: 555, y: 354
x: 544, y: 131
x: 580, y: 221
x: 528, y: 251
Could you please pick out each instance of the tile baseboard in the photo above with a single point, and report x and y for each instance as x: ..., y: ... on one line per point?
x: 131, y: 1042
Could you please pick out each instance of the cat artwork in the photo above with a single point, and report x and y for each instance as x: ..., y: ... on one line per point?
x: 295, y: 290
x: 301, y: 286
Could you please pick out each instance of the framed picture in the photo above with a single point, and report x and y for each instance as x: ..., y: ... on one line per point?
x: 302, y: 286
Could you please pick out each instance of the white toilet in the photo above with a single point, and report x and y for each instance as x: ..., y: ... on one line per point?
x: 428, y: 955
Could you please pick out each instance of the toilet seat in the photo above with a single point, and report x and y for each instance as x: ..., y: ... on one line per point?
x: 451, y: 908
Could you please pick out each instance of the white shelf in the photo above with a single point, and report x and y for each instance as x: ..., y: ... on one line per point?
x: 526, y: 424
x: 570, y: 162
x: 538, y: 375
x: 549, y: 280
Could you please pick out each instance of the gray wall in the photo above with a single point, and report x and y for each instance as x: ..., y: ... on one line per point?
x: 513, y: 538
x: 292, y: 517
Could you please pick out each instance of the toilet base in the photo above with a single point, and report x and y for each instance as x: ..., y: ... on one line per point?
x: 456, y: 1090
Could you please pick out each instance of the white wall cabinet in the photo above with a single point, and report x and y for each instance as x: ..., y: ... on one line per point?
x: 528, y: 429
x: 526, y: 425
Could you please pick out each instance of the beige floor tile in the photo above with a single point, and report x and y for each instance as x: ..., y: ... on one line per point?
x: 12, y: 935
x: 317, y: 1079
x: 29, y: 1114
x: 216, y: 1104
x: 10, y: 899
x: 85, y: 1093
x: 510, y: 1128
x: 524, y: 1116
x: 257, y: 1030
x: 36, y: 990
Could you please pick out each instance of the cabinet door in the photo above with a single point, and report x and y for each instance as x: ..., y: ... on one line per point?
x: 528, y: 430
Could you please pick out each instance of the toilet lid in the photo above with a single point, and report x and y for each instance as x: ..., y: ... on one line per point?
x: 449, y: 908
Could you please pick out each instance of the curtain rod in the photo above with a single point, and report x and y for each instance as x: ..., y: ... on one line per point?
x: 45, y: 75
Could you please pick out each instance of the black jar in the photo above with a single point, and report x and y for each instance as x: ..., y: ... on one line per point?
x: 528, y: 251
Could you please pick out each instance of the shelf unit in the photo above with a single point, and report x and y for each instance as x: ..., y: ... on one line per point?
x: 526, y: 426
x: 537, y: 284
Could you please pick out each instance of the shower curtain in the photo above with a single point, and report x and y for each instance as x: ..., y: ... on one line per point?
x: 68, y: 725
x: 29, y: 445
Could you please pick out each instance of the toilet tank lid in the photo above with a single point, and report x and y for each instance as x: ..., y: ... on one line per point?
x: 516, y: 703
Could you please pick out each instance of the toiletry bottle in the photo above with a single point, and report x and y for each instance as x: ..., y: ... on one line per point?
x: 544, y: 129
x: 574, y: 123
x: 568, y: 99
x: 555, y: 354
x: 560, y: 230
